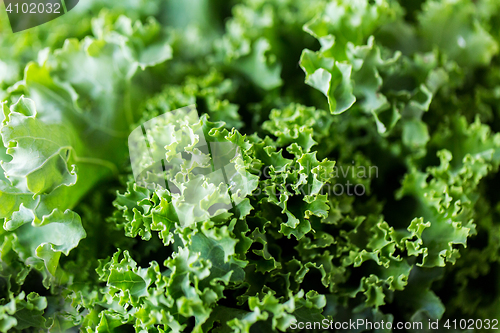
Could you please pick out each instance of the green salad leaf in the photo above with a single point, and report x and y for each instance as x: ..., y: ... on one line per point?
x: 250, y: 166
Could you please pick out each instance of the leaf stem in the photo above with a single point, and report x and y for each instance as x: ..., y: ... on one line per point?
x: 98, y: 161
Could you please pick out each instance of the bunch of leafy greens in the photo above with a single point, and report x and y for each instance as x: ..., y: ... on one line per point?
x: 304, y: 88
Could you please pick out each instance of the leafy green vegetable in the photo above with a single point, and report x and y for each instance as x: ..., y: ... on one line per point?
x: 362, y: 138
